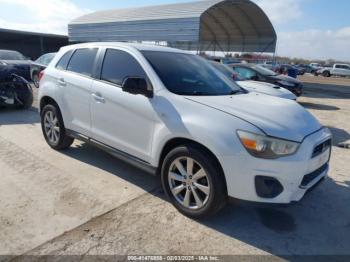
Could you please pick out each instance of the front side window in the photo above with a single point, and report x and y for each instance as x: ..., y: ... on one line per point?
x: 82, y: 61
x: 187, y: 74
x: 118, y: 65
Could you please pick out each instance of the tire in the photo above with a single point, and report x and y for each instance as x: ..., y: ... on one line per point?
x: 326, y: 74
x: 212, y: 183
x: 51, y: 120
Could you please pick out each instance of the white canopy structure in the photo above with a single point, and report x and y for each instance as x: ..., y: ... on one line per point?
x: 211, y: 25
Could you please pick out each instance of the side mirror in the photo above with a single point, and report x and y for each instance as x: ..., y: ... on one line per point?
x: 137, y: 86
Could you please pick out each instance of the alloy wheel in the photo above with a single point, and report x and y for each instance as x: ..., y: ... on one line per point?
x: 189, y: 183
x: 52, y: 129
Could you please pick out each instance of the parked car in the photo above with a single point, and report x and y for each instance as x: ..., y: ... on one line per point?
x: 39, y: 65
x: 336, y: 70
x: 15, y: 91
x: 316, y: 65
x: 308, y: 69
x: 13, y: 62
x: 172, y: 113
x: 285, y: 69
x: 274, y: 66
x: 261, y: 74
x: 254, y: 86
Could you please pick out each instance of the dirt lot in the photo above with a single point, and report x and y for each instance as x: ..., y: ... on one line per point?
x: 84, y: 202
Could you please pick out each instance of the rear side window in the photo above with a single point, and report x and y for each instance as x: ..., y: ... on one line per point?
x: 63, y: 63
x: 118, y: 65
x: 82, y: 61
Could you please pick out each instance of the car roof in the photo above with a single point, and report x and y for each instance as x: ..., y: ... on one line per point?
x: 242, y: 65
x: 6, y: 50
x: 137, y: 46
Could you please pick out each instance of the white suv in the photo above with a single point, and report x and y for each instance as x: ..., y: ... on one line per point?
x: 172, y: 113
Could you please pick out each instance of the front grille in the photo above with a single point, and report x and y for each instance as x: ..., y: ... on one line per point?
x: 321, y: 148
x: 310, y: 177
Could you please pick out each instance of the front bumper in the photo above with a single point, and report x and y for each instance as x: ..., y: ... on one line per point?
x: 296, y: 90
x: 296, y: 174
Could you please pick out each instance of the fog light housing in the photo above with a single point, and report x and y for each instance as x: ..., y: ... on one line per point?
x: 268, y: 187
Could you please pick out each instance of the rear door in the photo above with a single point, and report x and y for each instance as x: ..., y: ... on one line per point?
x: 119, y: 119
x: 75, y: 83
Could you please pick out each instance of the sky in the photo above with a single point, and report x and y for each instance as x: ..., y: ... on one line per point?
x: 313, y: 29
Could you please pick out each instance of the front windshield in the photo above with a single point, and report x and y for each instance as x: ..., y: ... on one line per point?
x: 11, y: 55
x: 264, y: 71
x: 228, y: 71
x: 45, y: 59
x: 187, y: 74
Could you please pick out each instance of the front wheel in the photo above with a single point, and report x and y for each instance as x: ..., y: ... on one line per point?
x: 326, y: 74
x: 193, y: 181
x: 53, y: 128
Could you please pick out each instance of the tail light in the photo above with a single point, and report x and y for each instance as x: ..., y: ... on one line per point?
x: 41, y: 74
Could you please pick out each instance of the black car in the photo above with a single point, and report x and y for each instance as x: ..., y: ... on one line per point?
x: 15, y: 91
x: 39, y: 65
x: 13, y: 62
x: 262, y: 74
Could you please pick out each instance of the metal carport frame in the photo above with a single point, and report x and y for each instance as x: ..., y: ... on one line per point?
x: 213, y: 25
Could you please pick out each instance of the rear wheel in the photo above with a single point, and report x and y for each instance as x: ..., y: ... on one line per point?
x: 53, y: 128
x: 193, y: 181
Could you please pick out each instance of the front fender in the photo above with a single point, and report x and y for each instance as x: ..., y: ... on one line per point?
x: 209, y: 127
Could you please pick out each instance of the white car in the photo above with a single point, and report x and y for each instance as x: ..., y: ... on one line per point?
x: 254, y: 86
x: 336, y: 70
x: 206, y: 138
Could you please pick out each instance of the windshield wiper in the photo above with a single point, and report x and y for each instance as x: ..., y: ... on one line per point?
x: 235, y: 92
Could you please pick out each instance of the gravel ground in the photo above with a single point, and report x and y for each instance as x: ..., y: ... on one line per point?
x: 96, y: 215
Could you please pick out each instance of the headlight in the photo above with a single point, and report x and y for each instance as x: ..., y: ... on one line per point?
x: 286, y: 83
x: 262, y: 146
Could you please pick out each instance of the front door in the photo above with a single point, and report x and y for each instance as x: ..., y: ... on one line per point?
x: 119, y: 119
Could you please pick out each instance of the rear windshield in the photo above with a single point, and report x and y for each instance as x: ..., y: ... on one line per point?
x: 187, y: 74
x: 11, y: 55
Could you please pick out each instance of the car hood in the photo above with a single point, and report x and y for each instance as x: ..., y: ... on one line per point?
x: 267, y: 89
x: 276, y: 117
x: 17, y: 62
x: 285, y: 78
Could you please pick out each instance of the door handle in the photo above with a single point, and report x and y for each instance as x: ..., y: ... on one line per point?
x: 98, y: 97
x: 61, y: 82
